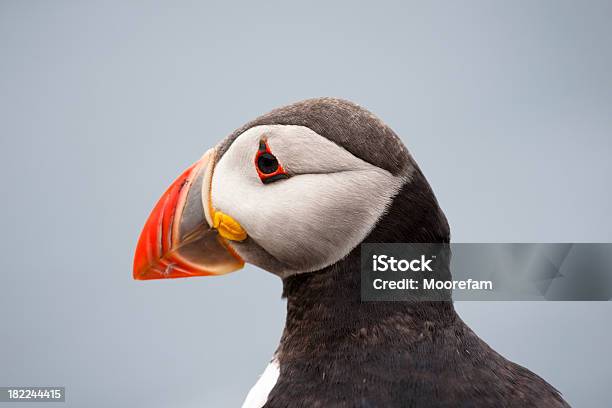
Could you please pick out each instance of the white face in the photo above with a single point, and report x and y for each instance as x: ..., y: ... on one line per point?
x: 325, y: 208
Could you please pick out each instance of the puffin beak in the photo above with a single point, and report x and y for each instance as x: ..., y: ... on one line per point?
x: 183, y: 235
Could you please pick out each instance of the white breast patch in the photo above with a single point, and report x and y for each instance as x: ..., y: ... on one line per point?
x: 258, y: 395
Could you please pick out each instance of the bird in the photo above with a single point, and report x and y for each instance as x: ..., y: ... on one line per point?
x: 296, y: 192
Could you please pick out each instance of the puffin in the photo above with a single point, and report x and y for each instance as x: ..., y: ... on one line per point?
x: 296, y: 192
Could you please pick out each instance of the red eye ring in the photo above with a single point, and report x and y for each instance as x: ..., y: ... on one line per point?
x: 267, y: 165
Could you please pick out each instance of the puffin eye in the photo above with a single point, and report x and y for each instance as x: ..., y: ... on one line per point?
x: 267, y: 165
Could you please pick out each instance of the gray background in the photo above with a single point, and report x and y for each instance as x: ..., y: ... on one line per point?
x: 505, y: 105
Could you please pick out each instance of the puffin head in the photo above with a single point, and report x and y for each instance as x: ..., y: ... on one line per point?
x: 294, y: 191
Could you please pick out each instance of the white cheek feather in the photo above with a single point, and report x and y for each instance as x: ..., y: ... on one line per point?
x: 325, y: 209
x: 258, y: 395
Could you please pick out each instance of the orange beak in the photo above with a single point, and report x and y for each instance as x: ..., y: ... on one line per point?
x: 177, y: 240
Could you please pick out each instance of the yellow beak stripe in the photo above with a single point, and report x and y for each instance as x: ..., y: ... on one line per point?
x: 228, y: 227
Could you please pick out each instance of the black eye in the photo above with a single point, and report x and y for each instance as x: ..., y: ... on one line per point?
x: 268, y: 168
x: 267, y: 163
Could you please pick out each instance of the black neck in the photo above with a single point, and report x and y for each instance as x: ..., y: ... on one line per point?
x: 326, y: 304
x: 330, y: 299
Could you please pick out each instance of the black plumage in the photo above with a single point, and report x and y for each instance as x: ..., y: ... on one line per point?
x: 337, y: 351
